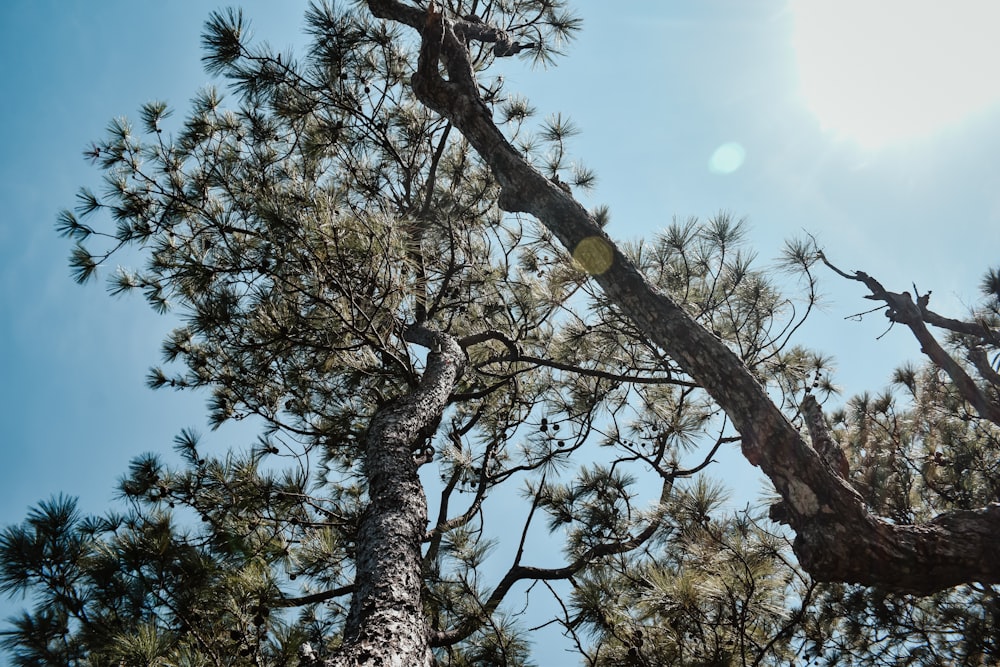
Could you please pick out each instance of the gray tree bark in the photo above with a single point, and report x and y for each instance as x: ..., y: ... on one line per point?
x: 386, y: 624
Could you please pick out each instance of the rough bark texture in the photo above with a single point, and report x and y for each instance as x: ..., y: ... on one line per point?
x: 386, y: 625
x: 822, y: 440
x: 837, y: 539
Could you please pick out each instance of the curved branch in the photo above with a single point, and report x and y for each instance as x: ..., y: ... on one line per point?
x: 516, y: 356
x: 322, y: 596
x: 709, y: 458
x: 518, y: 572
x: 593, y: 372
x: 977, y: 355
x: 978, y: 330
x: 444, y: 524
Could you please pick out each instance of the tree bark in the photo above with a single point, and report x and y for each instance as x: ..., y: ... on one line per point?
x: 386, y: 624
x: 837, y: 539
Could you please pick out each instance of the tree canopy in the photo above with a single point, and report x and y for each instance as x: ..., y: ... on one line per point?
x: 375, y: 255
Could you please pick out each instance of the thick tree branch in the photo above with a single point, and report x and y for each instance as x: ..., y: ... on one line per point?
x: 822, y: 439
x: 837, y: 539
x: 978, y: 330
x: 977, y: 356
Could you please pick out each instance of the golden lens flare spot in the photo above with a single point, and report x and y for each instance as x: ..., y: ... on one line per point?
x: 594, y: 255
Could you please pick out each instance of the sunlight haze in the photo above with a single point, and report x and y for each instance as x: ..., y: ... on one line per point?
x: 885, y: 72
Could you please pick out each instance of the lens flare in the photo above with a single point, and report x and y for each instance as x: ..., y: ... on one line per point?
x: 727, y: 158
x: 593, y: 254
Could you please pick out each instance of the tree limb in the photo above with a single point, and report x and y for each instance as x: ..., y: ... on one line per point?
x: 902, y: 309
x: 518, y: 572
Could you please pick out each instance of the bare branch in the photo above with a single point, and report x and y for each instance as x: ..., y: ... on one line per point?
x: 902, y: 309
x: 519, y: 572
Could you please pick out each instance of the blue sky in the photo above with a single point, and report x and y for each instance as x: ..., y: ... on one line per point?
x: 655, y: 88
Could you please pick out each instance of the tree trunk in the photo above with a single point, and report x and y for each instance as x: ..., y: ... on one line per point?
x: 386, y: 624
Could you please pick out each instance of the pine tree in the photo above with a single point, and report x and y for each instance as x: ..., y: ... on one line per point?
x: 352, y: 246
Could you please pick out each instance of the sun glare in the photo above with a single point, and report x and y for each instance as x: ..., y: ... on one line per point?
x: 885, y: 71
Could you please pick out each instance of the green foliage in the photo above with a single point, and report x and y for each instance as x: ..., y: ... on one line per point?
x: 297, y: 231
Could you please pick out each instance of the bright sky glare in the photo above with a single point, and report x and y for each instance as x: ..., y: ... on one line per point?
x: 885, y: 72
